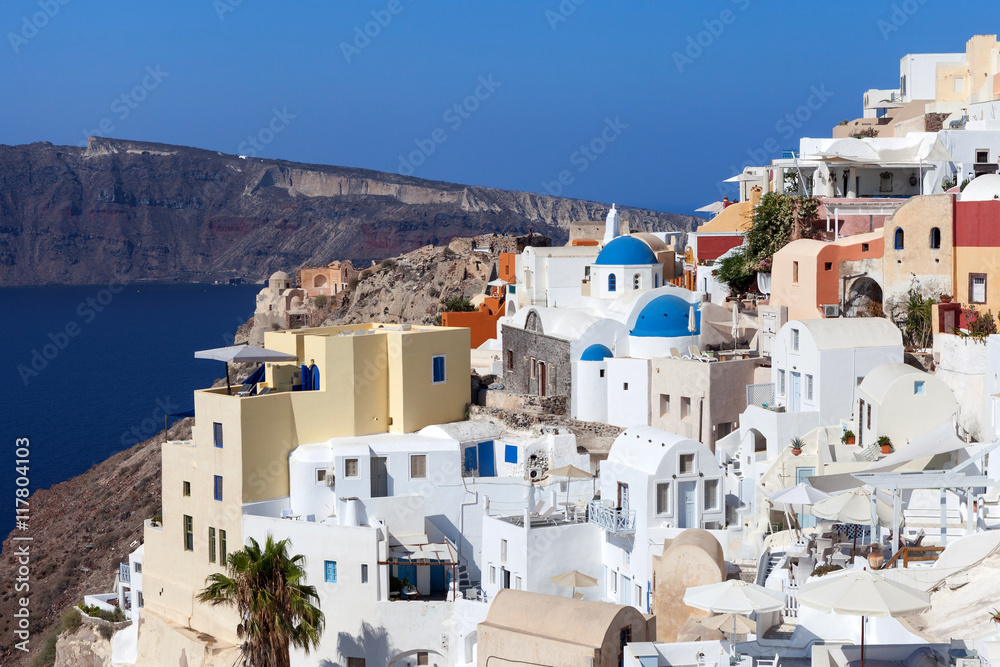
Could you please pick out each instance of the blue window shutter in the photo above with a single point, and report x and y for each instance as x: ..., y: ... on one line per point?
x: 218, y: 487
x: 510, y: 454
x: 487, y: 464
x: 471, y: 460
x: 438, y: 369
x: 331, y: 571
x: 217, y: 432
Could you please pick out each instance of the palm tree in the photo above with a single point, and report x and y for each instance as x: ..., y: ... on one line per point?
x: 276, y: 608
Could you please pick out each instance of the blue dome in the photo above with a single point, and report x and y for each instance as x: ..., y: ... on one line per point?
x: 626, y: 251
x: 596, y: 352
x: 666, y: 317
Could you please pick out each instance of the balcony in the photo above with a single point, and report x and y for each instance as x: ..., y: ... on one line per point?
x: 617, y: 521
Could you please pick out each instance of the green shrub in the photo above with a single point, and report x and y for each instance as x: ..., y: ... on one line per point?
x: 70, y: 621
x: 320, y: 301
x: 47, y: 654
x: 388, y: 264
x: 457, y: 304
x: 734, y: 272
x: 448, y: 253
x: 365, y: 274
x: 107, y: 632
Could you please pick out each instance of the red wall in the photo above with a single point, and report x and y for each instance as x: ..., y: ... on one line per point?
x: 977, y: 224
x: 712, y: 247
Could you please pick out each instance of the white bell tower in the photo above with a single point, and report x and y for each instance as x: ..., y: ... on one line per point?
x: 613, y: 225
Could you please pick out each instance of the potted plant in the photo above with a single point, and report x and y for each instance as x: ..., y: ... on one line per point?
x: 995, y: 617
x: 945, y: 298
x: 796, y: 446
x: 847, y: 438
x: 884, y: 444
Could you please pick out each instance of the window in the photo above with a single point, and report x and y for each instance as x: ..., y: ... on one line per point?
x: 982, y: 155
x: 869, y: 416
x: 795, y: 340
x: 534, y: 368
x: 828, y: 266
x: 218, y: 487
x: 885, y: 181
x: 664, y: 405
x: 223, y: 554
x: 624, y: 386
x: 493, y: 574
x: 977, y: 288
x: 795, y: 272
x: 723, y: 429
x: 936, y: 238
x: 781, y: 383
x: 422, y: 658
x: 809, y: 387
x: 958, y: 84
x: 437, y: 363
x: 503, y: 551
x: 138, y: 567
x: 364, y: 573
x: 918, y: 387
x: 321, y: 475
x: 602, y: 372
x: 685, y: 464
x: 510, y: 360
x: 864, y: 247
x: 211, y: 545
x: 139, y: 603
x: 663, y: 498
x: 656, y: 280
x: 187, y: 488
x: 510, y: 454
x: 612, y: 283
x: 685, y: 407
x: 217, y: 432
x: 517, y: 583
x: 188, y: 533
x: 711, y: 494
x: 418, y: 466
x: 636, y: 281
x: 898, y: 239
x: 330, y: 569
x: 350, y: 467
x: 355, y: 662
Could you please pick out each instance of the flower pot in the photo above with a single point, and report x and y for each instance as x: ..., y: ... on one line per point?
x: 851, y: 440
x: 886, y: 449
x: 875, y: 559
x: 945, y: 298
x: 796, y: 451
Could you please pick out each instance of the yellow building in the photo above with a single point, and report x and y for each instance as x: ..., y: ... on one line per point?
x: 372, y: 379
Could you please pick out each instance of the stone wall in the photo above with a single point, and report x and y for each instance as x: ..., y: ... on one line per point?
x: 527, y: 421
x: 523, y: 348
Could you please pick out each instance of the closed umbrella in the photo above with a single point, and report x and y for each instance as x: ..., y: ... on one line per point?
x: 573, y: 578
x: 692, y: 320
x: 736, y: 324
x: 243, y: 354
x: 862, y: 593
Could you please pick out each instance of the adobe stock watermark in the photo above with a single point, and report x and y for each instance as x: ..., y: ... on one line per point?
x: 562, y: 12
x: 123, y: 105
x: 31, y: 24
x: 787, y: 126
x: 454, y: 116
x: 898, y: 17
x: 57, y: 341
x: 698, y: 43
x: 22, y: 552
x: 223, y: 7
x: 256, y: 143
x: 586, y: 154
x: 149, y: 426
x: 363, y: 35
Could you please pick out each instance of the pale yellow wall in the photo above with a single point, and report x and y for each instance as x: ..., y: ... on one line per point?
x: 978, y: 260
x: 799, y: 296
x: 734, y: 218
x: 981, y: 56
x: 944, y: 82
x: 917, y: 264
x: 415, y: 401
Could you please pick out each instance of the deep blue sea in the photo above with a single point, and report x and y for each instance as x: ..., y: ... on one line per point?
x: 88, y: 371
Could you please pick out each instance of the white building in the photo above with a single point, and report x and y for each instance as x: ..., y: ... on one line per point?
x: 902, y: 403
x: 654, y: 484
x: 816, y: 364
x: 552, y: 276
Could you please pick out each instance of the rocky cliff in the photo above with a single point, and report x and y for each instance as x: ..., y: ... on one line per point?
x: 136, y: 211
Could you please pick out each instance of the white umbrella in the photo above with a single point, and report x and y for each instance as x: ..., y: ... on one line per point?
x: 862, y: 593
x: 497, y: 283
x: 853, y: 506
x: 714, y: 207
x: 243, y: 354
x: 692, y: 321
x: 741, y: 178
x: 734, y: 597
x: 739, y: 623
x: 800, y: 494
x: 573, y: 578
x: 736, y: 323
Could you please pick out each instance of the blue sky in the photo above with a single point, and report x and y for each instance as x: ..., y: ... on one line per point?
x: 668, y: 98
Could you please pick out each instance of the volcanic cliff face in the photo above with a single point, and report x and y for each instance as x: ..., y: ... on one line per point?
x: 135, y: 211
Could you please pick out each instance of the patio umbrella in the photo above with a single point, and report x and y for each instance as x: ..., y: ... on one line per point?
x: 714, y: 207
x: 243, y: 354
x: 740, y: 624
x: 692, y: 321
x: 862, y: 593
x: 575, y: 579
x: 853, y: 506
x: 734, y: 597
x: 569, y: 472
x: 694, y: 630
x: 741, y: 178
x: 801, y: 494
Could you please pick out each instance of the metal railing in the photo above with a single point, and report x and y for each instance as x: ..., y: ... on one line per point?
x: 611, y: 519
x: 761, y: 395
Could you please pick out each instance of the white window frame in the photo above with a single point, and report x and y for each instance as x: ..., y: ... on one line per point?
x: 666, y: 509
x: 444, y: 368
x: 716, y: 505
x: 347, y: 467
x: 809, y: 387
x: 321, y: 475
x: 795, y: 340
x: 781, y: 383
x: 694, y: 463
x: 503, y: 551
x: 493, y: 574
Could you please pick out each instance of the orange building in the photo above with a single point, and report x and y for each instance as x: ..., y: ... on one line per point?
x: 330, y: 280
x: 482, y: 322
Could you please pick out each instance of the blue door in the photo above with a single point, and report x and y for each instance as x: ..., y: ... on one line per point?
x: 439, y: 578
x: 407, y: 573
x: 802, y: 475
x: 795, y: 395
x: 487, y: 464
x: 687, y: 512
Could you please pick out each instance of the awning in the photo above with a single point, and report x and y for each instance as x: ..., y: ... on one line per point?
x: 714, y: 207
x: 413, y: 549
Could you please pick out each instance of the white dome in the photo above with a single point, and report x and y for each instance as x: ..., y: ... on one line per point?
x: 983, y: 188
x: 279, y: 275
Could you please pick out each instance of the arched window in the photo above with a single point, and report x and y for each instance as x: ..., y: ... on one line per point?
x: 636, y: 281
x: 612, y: 282
x: 898, y: 244
x: 935, y: 238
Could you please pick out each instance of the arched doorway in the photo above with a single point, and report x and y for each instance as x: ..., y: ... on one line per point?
x: 864, y: 299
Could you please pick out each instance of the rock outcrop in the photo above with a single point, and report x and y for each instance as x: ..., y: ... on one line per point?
x: 137, y: 211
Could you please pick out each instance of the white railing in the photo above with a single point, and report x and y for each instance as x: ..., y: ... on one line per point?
x: 791, y: 601
x: 610, y: 519
x: 761, y: 394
